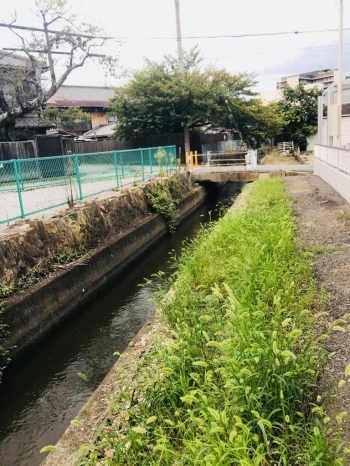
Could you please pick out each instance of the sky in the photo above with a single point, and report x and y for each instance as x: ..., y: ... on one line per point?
x: 146, y: 28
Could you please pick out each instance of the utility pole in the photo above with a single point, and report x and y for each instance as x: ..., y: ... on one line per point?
x: 340, y: 71
x: 186, y: 133
x: 179, y: 38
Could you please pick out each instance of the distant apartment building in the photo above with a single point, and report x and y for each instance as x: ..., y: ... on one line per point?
x: 322, y: 78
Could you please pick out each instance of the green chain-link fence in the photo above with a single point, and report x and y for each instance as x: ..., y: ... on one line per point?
x: 31, y: 186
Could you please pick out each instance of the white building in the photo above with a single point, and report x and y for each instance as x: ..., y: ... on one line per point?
x: 332, y: 160
x: 320, y: 77
x: 328, y: 118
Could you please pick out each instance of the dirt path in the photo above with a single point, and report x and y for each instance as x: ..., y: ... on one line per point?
x: 279, y: 159
x: 323, y: 222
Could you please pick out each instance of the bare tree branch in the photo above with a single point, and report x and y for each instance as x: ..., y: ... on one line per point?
x: 78, y: 41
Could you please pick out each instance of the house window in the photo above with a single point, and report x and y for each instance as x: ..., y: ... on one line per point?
x: 112, y: 119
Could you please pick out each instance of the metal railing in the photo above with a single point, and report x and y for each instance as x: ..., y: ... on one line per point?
x: 285, y: 147
x: 248, y: 158
x: 31, y: 186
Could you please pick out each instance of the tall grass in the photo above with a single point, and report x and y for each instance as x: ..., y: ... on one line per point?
x: 234, y: 382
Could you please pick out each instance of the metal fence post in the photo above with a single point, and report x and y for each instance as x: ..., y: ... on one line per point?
x: 116, y: 167
x: 150, y: 160
x: 143, y: 167
x: 20, y: 173
x: 122, y: 163
x: 77, y: 174
x: 15, y: 169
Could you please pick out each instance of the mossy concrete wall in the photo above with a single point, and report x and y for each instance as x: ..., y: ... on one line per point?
x: 123, y: 229
x: 87, y: 225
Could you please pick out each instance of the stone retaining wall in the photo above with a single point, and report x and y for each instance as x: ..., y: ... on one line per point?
x: 31, y: 315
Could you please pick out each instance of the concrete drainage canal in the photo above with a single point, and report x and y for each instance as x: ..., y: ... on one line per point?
x: 42, y: 392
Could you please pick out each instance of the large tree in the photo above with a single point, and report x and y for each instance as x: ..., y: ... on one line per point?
x: 159, y: 99
x: 298, y: 107
x: 60, y: 45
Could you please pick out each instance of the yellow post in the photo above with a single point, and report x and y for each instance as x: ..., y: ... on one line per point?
x: 195, y: 158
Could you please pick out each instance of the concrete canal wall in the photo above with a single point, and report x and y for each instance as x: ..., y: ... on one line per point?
x: 121, y: 227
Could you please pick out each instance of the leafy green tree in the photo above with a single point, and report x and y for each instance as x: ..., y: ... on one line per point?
x: 64, y: 116
x: 298, y: 108
x: 158, y: 99
x: 260, y: 123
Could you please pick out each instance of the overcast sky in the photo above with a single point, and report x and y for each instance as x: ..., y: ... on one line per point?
x: 138, y: 22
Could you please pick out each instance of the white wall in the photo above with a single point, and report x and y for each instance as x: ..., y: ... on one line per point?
x: 333, y: 165
x: 338, y: 180
x: 345, y: 132
x: 311, y: 141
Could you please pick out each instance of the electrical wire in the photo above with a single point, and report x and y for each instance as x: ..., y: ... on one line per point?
x: 324, y: 47
x: 234, y: 121
x: 331, y: 15
x: 235, y: 36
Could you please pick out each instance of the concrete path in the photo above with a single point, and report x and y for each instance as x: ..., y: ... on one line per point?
x: 323, y: 226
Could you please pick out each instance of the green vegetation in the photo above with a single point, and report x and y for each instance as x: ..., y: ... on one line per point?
x: 164, y: 195
x: 298, y: 108
x: 234, y: 381
x: 35, y: 274
x: 51, y: 265
x: 158, y: 99
x: 67, y: 116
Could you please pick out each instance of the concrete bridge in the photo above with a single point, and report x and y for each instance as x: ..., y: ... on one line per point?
x: 219, y: 170
x: 223, y: 173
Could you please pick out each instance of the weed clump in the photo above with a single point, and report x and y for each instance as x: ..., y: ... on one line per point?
x: 235, y: 380
x: 164, y: 196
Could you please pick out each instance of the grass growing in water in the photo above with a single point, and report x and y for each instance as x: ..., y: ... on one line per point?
x: 235, y: 381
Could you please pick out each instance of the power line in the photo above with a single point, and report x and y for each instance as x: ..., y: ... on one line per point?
x: 234, y: 121
x: 12, y: 49
x: 51, y: 31
x: 235, y: 36
x: 224, y: 36
x: 331, y: 15
x: 325, y: 47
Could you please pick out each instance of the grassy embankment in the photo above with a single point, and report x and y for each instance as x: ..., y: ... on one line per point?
x: 235, y: 380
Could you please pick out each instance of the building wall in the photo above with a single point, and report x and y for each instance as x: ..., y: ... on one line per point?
x: 311, y: 141
x: 338, y: 180
x: 293, y: 81
x: 98, y: 119
x: 274, y: 96
x: 332, y: 164
x: 345, y: 130
x: 345, y: 127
